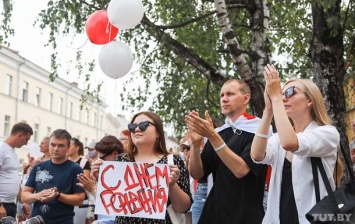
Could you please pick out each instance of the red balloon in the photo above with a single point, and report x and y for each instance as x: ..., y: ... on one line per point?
x: 99, y: 29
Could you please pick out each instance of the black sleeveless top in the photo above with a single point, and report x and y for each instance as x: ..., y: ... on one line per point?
x: 288, y: 209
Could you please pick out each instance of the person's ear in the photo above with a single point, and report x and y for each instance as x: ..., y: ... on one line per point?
x: 115, y: 153
x: 246, y: 99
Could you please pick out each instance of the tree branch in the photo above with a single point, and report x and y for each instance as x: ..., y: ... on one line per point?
x: 185, y: 53
x: 198, y: 18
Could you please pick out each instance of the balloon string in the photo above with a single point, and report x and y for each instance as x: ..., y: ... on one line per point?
x: 108, y: 30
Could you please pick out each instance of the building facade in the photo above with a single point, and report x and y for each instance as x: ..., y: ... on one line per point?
x: 26, y: 94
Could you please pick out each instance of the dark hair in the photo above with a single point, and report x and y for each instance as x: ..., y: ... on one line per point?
x: 109, y: 144
x: 160, y: 145
x: 21, y: 127
x: 79, y: 144
x: 61, y: 134
x: 26, y: 168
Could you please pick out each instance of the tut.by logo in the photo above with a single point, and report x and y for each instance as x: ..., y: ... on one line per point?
x: 332, y: 217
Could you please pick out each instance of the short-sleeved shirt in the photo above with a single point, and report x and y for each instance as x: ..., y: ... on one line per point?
x: 86, y: 165
x: 46, y: 175
x: 231, y: 199
x: 183, y: 183
x: 9, y: 171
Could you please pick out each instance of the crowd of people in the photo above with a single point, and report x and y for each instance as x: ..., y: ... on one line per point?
x: 220, y: 176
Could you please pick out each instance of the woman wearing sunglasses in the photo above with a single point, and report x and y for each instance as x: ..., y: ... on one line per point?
x: 147, y: 144
x: 304, y: 130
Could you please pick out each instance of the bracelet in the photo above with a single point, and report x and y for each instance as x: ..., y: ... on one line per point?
x: 58, y: 196
x: 261, y: 135
x: 220, y: 147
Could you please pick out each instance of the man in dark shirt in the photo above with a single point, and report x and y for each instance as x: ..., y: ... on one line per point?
x: 238, y: 188
x: 52, y: 184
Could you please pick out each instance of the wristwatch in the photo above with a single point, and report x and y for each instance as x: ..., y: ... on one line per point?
x: 58, y: 196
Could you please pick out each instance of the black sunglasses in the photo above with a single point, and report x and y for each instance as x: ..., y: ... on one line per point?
x: 103, y: 157
x: 289, y: 92
x: 183, y: 147
x: 142, y: 126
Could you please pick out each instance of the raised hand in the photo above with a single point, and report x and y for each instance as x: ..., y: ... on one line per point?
x: 87, y: 183
x: 273, y: 84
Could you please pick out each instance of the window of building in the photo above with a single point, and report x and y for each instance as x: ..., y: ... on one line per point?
x: 50, y: 101
x: 8, y: 88
x: 94, y: 117
x: 87, y: 116
x: 7, y: 125
x: 79, y: 113
x: 25, y: 91
x: 70, y: 110
x: 35, y: 132
x: 49, y: 131
x: 60, y: 105
x: 38, y: 97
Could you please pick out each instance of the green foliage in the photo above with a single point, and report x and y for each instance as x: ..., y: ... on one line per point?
x: 5, y: 28
x: 171, y: 86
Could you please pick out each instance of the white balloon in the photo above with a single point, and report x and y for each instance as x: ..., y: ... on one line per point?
x: 116, y: 59
x: 125, y: 14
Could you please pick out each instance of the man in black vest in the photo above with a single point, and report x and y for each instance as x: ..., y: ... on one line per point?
x: 238, y: 188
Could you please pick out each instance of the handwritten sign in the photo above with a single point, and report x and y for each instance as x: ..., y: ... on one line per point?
x: 132, y: 189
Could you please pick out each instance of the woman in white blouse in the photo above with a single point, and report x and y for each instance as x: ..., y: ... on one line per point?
x: 304, y: 130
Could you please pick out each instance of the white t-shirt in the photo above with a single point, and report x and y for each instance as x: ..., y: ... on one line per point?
x: 9, y: 168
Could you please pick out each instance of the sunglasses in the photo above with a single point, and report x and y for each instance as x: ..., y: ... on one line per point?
x: 103, y: 157
x: 142, y: 126
x: 183, y: 147
x: 289, y: 92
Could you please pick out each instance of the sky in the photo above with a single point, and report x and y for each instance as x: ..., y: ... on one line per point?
x: 29, y: 41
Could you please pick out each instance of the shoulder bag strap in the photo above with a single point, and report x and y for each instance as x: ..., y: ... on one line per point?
x: 315, y: 178
x: 234, y: 137
x: 331, y: 196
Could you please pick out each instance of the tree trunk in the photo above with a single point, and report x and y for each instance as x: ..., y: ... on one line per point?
x: 260, y: 49
x: 327, y: 56
x: 259, y: 36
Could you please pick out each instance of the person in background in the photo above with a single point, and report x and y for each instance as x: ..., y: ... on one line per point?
x: 185, y: 148
x: 75, y: 154
x: 147, y: 145
x: 92, y: 154
x: 124, y: 138
x: 304, y: 131
x: 22, y: 216
x: 10, y: 166
x: 44, y: 148
x: 108, y: 148
x: 352, y: 145
x: 52, y: 184
x: 238, y: 189
x: 92, y: 157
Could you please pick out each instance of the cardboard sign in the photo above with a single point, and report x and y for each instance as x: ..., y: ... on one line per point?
x: 132, y: 189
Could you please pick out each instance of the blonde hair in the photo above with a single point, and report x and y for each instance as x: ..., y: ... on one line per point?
x: 244, y: 87
x: 318, y: 111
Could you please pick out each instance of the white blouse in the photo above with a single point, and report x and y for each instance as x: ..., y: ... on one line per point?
x: 314, y: 141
